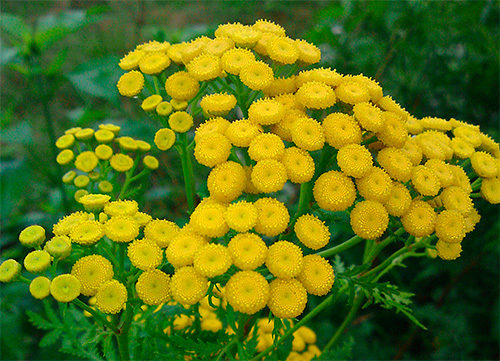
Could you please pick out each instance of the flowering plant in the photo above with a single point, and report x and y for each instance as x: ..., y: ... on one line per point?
x: 291, y: 150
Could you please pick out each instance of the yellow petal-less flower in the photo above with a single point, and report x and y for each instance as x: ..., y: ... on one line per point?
x: 65, y: 288
x: 181, y: 86
x: 317, y: 275
x: 131, y: 83
x: 32, y: 236
x: 40, y: 287
x: 287, y: 298
x: 121, y: 162
x: 92, y: 271
x: 86, y: 161
x: 111, y: 297
x: 188, y: 286
x: 247, y: 292
x: 9, y: 270
x: 334, y: 191
x: 248, y: 251
x: 153, y: 287
x: 312, y: 231
x: 369, y: 219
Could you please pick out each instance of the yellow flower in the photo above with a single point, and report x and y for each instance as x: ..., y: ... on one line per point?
x: 308, y: 53
x: 144, y: 254
x: 154, y: 63
x: 369, y: 116
x: 234, y: 60
x: 9, y: 270
x: 81, y: 181
x: 273, y: 217
x: 394, y: 133
x: 69, y: 177
x: 226, y: 181
x: 316, y: 95
x: 448, y: 251
x: 164, y: 138
x: 388, y: 104
x: 40, y: 287
x: 371, y: 85
x: 269, y: 175
x: 317, y: 275
x: 245, y: 36
x: 131, y: 83
x: 65, y: 141
x: 87, y: 233
x: 413, y: 125
x: 399, y: 200
x: 435, y: 145
x: 490, y: 190
x: 121, y: 229
x: 284, y: 259
x: 281, y: 89
x: 341, y: 129
x: 241, y: 216
x: 174, y: 52
x: 213, y: 125
x: 484, y: 164
x: 153, y: 287
x: 105, y: 187
x: 84, y: 134
x: 247, y: 292
x: 218, y: 46
x: 94, y: 202
x: 241, y: 132
x: 334, y: 191
x: 188, y: 286
x: 307, y: 134
x: 208, y: 220
x: 283, y: 50
x: 369, y: 219
x: 164, y: 108
x: 457, y: 198
x: 420, y: 219
x: 212, y: 260
x: 151, y: 102
x: 65, y: 225
x: 425, y: 181
x: 287, y: 298
x: 311, y: 231
x: 161, y: 231
x: 121, y: 208
x: 111, y: 127
x: 267, y: 26
x: 59, y: 247
x: 412, y: 150
x: 299, y: 165
x: 266, y: 111
x: 65, y: 288
x: 121, y: 162
x: 32, y: 236
x: 142, y: 219
x: 450, y: 226
x: 111, y: 297
x: 266, y: 146
x: 204, y: 67
x: 218, y: 103
x: 104, y: 135
x: 352, y: 92
x: 212, y: 149
x: 256, y: 75
x: 131, y: 60
x: 103, y: 151
x: 92, y: 272
x: 180, y: 122
x: 375, y: 185
x: 395, y: 163
x: 182, y: 86
x: 86, y: 161
x: 468, y: 133
x: 354, y: 160
x: 248, y: 251
x: 461, y: 148
x: 183, y: 247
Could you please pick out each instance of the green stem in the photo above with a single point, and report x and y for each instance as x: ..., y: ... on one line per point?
x: 476, y: 184
x: 379, y: 247
x: 122, y: 337
x: 347, y: 321
x: 23, y: 279
x: 306, y: 319
x: 187, y: 170
x: 96, y: 315
x: 341, y: 247
x: 128, y: 177
x: 394, y: 264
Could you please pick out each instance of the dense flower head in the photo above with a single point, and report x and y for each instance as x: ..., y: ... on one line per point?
x: 443, y: 172
x: 420, y: 219
x: 37, y: 261
x: 131, y: 83
x: 334, y: 191
x: 311, y: 231
x: 183, y: 248
x: 153, y: 287
x: 375, y: 185
x: 65, y: 225
x: 65, y: 288
x: 144, y: 254
x: 226, y: 181
x: 218, y: 103
x: 182, y: 86
x: 40, y: 287
x: 341, y: 129
x: 256, y: 75
x: 369, y: 219
x: 317, y: 275
x: 247, y: 292
x: 208, y: 220
x: 92, y: 272
x: 212, y: 149
x: 395, y: 163
x: 394, y: 133
x: 212, y: 260
x: 10, y: 270
x: 354, y: 160
x: 399, y: 200
x: 269, y: 175
x: 121, y: 162
x: 234, y: 60
x: 457, y: 198
x: 299, y: 165
x: 316, y: 95
x: 188, y: 286
x: 284, y: 259
x: 59, y: 246
x: 266, y: 146
x: 450, y: 226
x: 287, y: 298
x: 241, y: 132
x: 121, y: 229
x: 111, y: 297
x: 448, y: 251
x: 490, y: 190
x: 161, y: 231
x: 212, y: 125
x: 154, y: 63
x: 307, y: 134
x: 241, y: 216
x: 352, y: 92
x: 87, y: 233
x: 484, y: 164
x: 425, y: 181
x: 32, y: 236
x: 248, y: 251
x: 272, y: 218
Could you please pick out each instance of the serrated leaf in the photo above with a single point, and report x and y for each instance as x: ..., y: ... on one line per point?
x: 51, y: 337
x: 58, y: 62
x: 39, y: 321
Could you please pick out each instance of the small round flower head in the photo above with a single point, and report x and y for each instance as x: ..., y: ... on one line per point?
x: 442, y: 170
x: 131, y: 60
x: 81, y: 192
x: 213, y: 125
x: 241, y: 132
x: 341, y: 129
x: 161, y: 231
x: 174, y: 52
x: 59, y: 247
x: 204, y: 67
x: 283, y: 50
x: 65, y: 225
x: 154, y: 63
x: 218, y: 46
x: 352, y: 92
x: 208, y: 220
x: 256, y: 75
x: 245, y: 36
x: 144, y: 254
x: 287, y: 298
x: 84, y: 134
x: 112, y: 127
x: 369, y: 117
x: 307, y: 134
x: 248, y: 251
x: 369, y: 219
x: 413, y: 125
x: 151, y: 102
x: 266, y: 111
x: 234, y: 60
x: 241, y: 216
x: 164, y: 108
x: 457, y: 198
x: 226, y: 181
x: 420, y: 219
x: 266, y: 146
x: 65, y: 141
x: 126, y: 208
x: 92, y: 272
x: 425, y: 181
x: 354, y: 160
x: 151, y: 162
x: 484, y: 164
x: 65, y: 157
x: 131, y: 83
x: 471, y: 219
x: 9, y: 270
x: 188, y: 286
x: 40, y: 287
x: 193, y: 49
x: 450, y: 226
x: 412, y: 150
x: 86, y: 161
x: 308, y: 53
x: 247, y: 292
x: 121, y: 229
x: 269, y: 175
x: 69, y: 177
x: 317, y: 275
x: 312, y: 232
x: 468, y: 133
x: 299, y: 165
x: 212, y: 149
x: 121, y: 162
x: 281, y: 89
x: 65, y: 288
x: 267, y: 26
x: 218, y: 103
x: 461, y: 148
x: 81, y: 181
x: 164, y: 138
x: 141, y: 218
x: 395, y: 163
x: 399, y: 200
x: 94, y: 202
x: 316, y: 95
x: 87, y: 233
x: 32, y: 236
x: 273, y: 217
x: 388, y: 104
x: 489, y: 145
x: 375, y: 185
x: 394, y: 133
x: 373, y: 87
x: 103, y: 151
x: 284, y: 259
x: 490, y: 190
x: 334, y: 191
x: 183, y: 248
x: 180, y: 122
x: 212, y: 260
x: 111, y: 297
x: 182, y: 86
x: 153, y: 287
x: 448, y: 251
x: 435, y: 145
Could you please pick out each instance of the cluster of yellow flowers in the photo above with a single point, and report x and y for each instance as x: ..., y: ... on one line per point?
x: 96, y: 162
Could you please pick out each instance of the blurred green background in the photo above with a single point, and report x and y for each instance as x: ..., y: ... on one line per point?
x: 438, y: 58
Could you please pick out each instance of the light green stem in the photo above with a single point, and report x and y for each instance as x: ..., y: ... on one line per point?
x: 96, y: 315
x: 122, y: 337
x: 341, y: 247
x: 128, y: 177
x: 187, y: 170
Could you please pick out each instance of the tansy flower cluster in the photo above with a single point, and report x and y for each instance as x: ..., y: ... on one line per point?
x: 99, y: 156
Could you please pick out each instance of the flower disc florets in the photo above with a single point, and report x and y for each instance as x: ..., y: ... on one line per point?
x: 247, y: 292
x: 92, y: 271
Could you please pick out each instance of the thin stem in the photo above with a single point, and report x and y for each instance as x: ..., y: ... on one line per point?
x: 96, y: 315
x: 122, y: 337
x: 341, y: 247
x: 128, y: 177
x: 379, y: 247
x: 187, y: 170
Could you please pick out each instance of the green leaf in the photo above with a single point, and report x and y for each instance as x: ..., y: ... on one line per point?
x: 58, y: 62
x: 15, y: 26
x: 51, y: 337
x: 39, y: 321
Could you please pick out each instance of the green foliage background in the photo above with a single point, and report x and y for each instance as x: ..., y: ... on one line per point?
x: 437, y: 58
